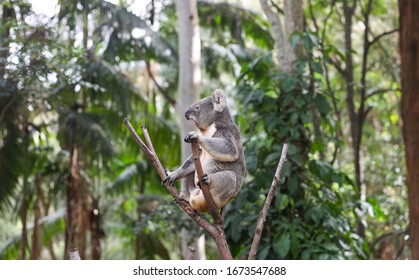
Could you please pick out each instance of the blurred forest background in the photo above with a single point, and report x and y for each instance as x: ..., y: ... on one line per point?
x: 323, y: 76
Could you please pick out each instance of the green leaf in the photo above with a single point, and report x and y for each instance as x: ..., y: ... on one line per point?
x: 289, y: 83
x: 235, y: 229
x: 263, y: 253
x: 317, y: 67
x: 293, y: 184
x: 294, y: 40
x: 283, y: 202
x: 306, y: 254
x: 322, y: 104
x: 282, y: 246
x: 274, y: 157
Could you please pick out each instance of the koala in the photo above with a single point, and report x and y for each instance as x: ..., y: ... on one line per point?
x: 221, y: 154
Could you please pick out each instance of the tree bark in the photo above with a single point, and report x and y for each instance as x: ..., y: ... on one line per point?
x: 409, y: 53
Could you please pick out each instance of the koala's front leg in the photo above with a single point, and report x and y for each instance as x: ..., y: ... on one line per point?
x: 221, y: 149
x: 187, y: 170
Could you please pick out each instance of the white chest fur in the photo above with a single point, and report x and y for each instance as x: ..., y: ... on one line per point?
x: 209, y: 132
x: 205, y: 157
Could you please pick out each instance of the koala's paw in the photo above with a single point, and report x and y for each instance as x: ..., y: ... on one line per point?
x: 204, y: 180
x: 168, y: 180
x: 191, y: 136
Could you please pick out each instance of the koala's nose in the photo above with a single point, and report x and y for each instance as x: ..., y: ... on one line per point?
x: 187, y: 114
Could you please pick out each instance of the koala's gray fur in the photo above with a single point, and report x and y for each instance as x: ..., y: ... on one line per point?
x: 221, y: 154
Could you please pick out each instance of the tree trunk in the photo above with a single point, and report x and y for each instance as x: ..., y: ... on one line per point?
x: 24, y: 219
x: 355, y: 116
x: 293, y: 22
x: 96, y: 230
x: 409, y: 52
x: 36, y: 235
x: 72, y: 202
x: 189, y: 65
x: 189, y: 83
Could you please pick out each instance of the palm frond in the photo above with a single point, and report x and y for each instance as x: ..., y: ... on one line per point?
x: 122, y: 24
x: 85, y: 130
x: 245, y: 26
x: 13, y: 147
x: 108, y: 86
x: 130, y: 175
x: 50, y: 225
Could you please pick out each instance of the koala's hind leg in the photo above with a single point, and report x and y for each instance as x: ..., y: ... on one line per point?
x: 222, y: 186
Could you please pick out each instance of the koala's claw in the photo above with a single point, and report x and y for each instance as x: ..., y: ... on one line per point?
x: 191, y: 136
x: 167, y: 179
x: 205, y: 179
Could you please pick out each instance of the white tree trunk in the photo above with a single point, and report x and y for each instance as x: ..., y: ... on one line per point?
x: 189, y: 64
x: 188, y: 91
x: 293, y: 22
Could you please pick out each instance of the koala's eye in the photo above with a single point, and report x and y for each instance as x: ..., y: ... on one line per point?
x: 197, y: 107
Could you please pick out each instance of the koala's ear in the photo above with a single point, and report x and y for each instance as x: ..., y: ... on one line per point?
x: 219, y: 100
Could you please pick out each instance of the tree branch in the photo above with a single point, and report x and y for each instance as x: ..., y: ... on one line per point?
x: 380, y: 91
x: 218, y: 220
x: 336, y: 63
x: 165, y: 93
x: 262, y: 215
x: 378, y: 37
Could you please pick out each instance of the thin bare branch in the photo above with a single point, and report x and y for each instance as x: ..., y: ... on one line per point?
x: 367, y: 45
x: 278, y: 9
x: 147, y: 139
x: 380, y: 91
x: 336, y: 63
x: 165, y: 93
x: 262, y: 215
x: 378, y: 37
x: 146, y: 150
